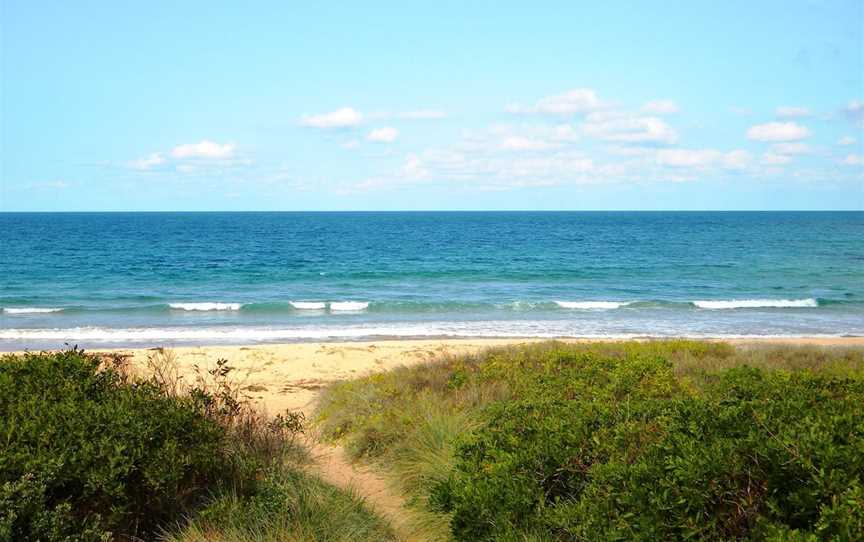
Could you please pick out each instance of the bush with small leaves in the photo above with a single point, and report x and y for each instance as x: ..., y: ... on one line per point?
x: 86, y: 451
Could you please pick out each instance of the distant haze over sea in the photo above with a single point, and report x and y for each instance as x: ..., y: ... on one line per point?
x: 116, y: 279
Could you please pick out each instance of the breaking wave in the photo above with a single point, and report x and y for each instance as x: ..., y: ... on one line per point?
x: 348, y: 306
x: 308, y: 305
x: 756, y: 303
x: 206, y: 306
x: 591, y: 305
x: 30, y: 310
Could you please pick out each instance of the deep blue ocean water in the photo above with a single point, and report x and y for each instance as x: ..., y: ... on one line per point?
x: 175, y: 278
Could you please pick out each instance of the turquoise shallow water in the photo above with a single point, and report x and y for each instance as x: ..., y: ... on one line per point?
x: 177, y: 278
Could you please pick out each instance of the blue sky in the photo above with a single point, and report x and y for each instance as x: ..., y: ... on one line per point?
x: 435, y: 105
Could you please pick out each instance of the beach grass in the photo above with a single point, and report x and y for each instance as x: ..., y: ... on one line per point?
x: 289, y: 505
x: 630, y: 440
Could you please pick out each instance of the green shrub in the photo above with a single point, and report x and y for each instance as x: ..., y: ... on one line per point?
x: 84, y: 452
x: 627, y: 456
x: 647, y: 440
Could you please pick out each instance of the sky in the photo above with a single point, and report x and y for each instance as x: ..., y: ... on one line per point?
x: 465, y: 105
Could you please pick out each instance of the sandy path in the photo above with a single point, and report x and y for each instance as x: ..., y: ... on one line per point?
x: 332, y: 465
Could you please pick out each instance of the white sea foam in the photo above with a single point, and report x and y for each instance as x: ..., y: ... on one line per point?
x: 348, y: 306
x: 206, y: 306
x: 591, y: 305
x: 30, y: 310
x: 217, y: 334
x: 241, y: 335
x: 308, y: 305
x: 756, y: 303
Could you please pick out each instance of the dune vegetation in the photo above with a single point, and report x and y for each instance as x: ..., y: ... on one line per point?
x: 92, y: 452
x: 659, y: 440
x: 666, y: 440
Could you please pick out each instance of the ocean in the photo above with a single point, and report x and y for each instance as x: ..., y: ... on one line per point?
x: 146, y: 279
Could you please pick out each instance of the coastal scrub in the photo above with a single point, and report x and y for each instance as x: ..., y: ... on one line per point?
x: 665, y: 440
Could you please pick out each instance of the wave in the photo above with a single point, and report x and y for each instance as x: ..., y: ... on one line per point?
x: 348, y: 306
x: 423, y: 306
x: 245, y: 335
x: 240, y: 334
x: 30, y: 310
x: 592, y: 305
x: 756, y: 303
x: 206, y: 306
x: 308, y: 305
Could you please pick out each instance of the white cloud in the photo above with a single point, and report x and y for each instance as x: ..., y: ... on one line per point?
x: 778, y: 131
x: 153, y: 160
x: 700, y: 158
x: 792, y: 112
x: 846, y: 141
x: 790, y: 148
x: 204, y: 150
x: 499, y: 171
x: 517, y: 143
x: 853, y: 160
x: 580, y: 100
x: 387, y: 134
x: 622, y: 128
x: 687, y: 157
x: 422, y: 114
x: 205, y: 157
x: 519, y: 137
x: 773, y: 159
x: 414, y: 168
x: 660, y: 107
x: 345, y: 117
x: 737, y: 159
x: 854, y: 111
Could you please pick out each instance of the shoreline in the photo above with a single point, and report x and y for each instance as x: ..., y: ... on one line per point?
x: 815, y: 339
x: 289, y: 375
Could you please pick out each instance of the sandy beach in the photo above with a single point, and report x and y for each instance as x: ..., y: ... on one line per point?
x: 289, y: 376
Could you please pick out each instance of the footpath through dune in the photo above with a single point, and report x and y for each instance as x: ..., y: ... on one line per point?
x: 333, y: 466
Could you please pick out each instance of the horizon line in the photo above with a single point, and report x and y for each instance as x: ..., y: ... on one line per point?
x: 118, y: 211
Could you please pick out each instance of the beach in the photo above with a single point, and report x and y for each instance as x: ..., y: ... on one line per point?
x: 289, y: 376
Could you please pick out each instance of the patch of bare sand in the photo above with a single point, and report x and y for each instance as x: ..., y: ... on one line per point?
x: 289, y: 376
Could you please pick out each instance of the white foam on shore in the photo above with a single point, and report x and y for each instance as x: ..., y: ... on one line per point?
x: 308, y: 305
x: 30, y: 310
x: 218, y: 334
x: 591, y: 305
x: 206, y: 306
x: 755, y: 303
x: 245, y: 335
x: 348, y: 306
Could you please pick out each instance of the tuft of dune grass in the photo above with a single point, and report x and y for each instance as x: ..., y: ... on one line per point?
x: 290, y: 506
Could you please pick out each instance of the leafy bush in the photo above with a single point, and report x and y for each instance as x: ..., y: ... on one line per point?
x: 85, y: 452
x: 619, y: 451
x: 660, y: 440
